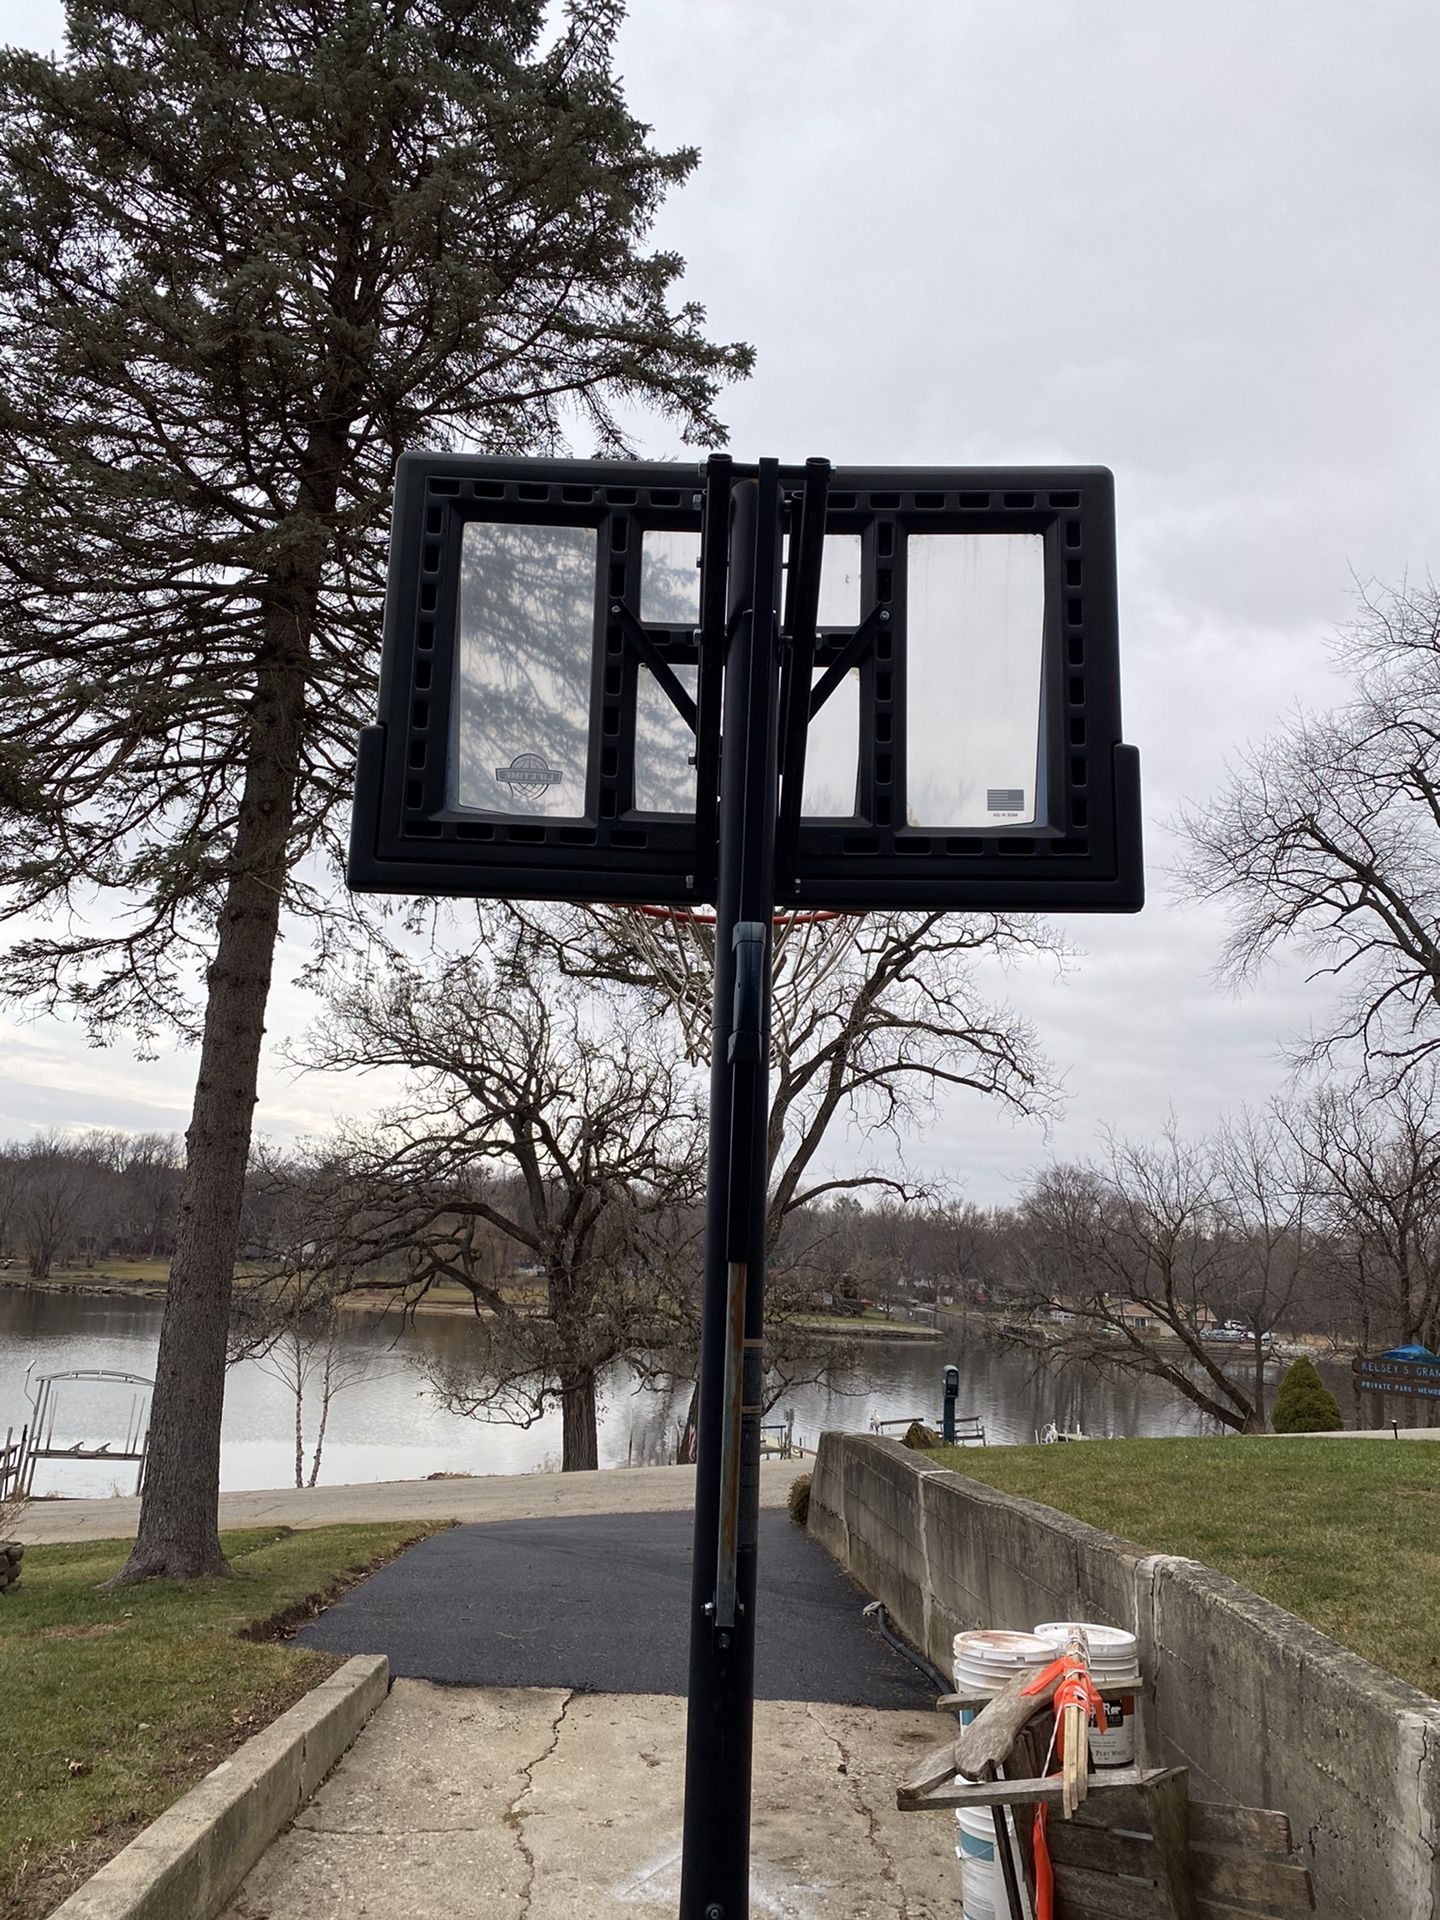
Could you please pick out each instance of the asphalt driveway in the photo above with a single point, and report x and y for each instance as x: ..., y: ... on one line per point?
x: 599, y: 1604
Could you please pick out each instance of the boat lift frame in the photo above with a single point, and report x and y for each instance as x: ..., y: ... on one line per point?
x: 38, y: 1440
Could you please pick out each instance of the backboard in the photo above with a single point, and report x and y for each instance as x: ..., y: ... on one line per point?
x: 549, y: 706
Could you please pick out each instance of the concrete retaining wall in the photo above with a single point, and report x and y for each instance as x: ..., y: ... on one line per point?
x: 187, y: 1864
x: 1264, y: 1710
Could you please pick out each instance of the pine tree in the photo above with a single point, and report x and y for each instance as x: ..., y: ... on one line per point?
x: 249, y: 251
x: 1303, y: 1402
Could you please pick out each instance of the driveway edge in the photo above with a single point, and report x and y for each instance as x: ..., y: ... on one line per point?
x: 187, y: 1864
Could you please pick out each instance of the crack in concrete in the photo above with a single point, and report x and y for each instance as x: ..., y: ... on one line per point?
x: 380, y: 1833
x: 515, y: 1819
x: 862, y: 1806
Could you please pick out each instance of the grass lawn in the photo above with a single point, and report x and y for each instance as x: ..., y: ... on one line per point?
x: 112, y: 1271
x: 847, y: 1322
x: 114, y: 1703
x: 1344, y: 1533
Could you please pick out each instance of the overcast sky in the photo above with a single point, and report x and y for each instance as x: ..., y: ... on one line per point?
x: 1194, y: 242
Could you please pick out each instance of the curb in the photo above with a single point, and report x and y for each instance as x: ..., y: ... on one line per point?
x: 187, y: 1864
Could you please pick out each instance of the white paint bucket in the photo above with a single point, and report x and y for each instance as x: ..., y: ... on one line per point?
x: 982, y: 1883
x: 1114, y: 1661
x: 986, y: 1660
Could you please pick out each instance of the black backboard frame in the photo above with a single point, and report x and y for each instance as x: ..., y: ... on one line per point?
x: 1085, y: 855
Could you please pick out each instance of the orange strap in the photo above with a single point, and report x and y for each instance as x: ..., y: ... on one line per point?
x: 1077, y: 1689
x: 1044, y: 1872
x: 1073, y: 1688
x: 1056, y: 1670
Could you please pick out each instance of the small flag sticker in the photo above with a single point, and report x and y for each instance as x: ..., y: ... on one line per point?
x: 1005, y: 800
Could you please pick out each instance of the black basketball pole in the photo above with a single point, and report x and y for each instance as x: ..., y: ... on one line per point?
x: 715, y: 1874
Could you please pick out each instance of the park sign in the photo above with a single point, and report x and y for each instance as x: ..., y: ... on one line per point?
x: 1390, y: 1373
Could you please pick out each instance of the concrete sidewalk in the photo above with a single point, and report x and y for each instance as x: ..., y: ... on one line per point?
x: 533, y: 1804
x: 512, y: 1496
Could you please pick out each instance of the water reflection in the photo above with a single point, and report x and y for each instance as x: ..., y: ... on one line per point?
x: 392, y: 1426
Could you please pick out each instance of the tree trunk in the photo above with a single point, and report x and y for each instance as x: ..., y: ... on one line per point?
x: 179, y: 1533
x: 299, y: 1413
x: 1258, y: 1392
x: 581, y: 1448
x: 686, y: 1455
x: 326, y: 1390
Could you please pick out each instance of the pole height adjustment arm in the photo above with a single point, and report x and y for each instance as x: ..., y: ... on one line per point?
x: 747, y: 1031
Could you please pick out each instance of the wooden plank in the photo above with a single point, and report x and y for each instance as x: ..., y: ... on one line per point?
x: 1105, y: 1901
x: 1082, y: 1889
x: 1074, y: 1845
x: 1168, y: 1802
x: 1217, y: 1869
x: 1222, y: 1910
x: 1211, y: 1824
x: 1028, y: 1763
x: 1274, y: 1886
x: 1010, y: 1868
x: 1111, y: 1783
x: 938, y: 1766
x: 1118, y: 1804
x: 990, y: 1738
x: 1253, y: 1829
x: 1069, y: 1907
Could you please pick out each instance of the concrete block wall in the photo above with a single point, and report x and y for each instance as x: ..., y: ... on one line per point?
x: 1264, y: 1710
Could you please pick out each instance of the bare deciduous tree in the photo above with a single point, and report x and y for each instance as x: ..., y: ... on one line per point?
x: 1128, y: 1248
x: 54, y: 1180
x: 535, y: 1116
x: 1266, y: 1201
x: 1328, y: 836
x: 874, y: 1017
x: 286, y: 1315
x: 1374, y: 1161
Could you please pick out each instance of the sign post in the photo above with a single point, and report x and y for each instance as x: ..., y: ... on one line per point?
x: 951, y: 1378
x: 1411, y: 1379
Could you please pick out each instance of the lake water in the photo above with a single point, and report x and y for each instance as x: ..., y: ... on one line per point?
x: 392, y: 1425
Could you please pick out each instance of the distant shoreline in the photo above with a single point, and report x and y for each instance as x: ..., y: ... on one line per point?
x: 103, y: 1284
x: 868, y: 1330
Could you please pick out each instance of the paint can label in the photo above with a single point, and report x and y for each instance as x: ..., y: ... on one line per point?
x: 1113, y: 1743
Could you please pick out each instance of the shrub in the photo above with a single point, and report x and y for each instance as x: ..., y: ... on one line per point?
x: 799, y: 1500
x: 1304, y: 1404
x: 919, y: 1436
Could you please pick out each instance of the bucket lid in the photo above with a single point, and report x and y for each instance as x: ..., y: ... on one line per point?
x: 993, y: 1646
x: 1104, y: 1641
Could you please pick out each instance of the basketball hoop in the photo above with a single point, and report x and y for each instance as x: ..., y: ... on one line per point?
x: 677, y: 945
x: 942, y: 736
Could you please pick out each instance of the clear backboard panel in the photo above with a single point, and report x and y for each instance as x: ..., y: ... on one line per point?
x: 664, y: 745
x: 975, y: 635
x: 831, y: 786
x: 524, y: 670
x: 549, y: 690
x: 670, y: 577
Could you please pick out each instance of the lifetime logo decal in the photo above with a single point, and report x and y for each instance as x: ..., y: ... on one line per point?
x: 528, y: 775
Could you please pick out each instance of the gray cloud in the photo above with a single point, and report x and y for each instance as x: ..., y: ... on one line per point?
x: 1197, y: 243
